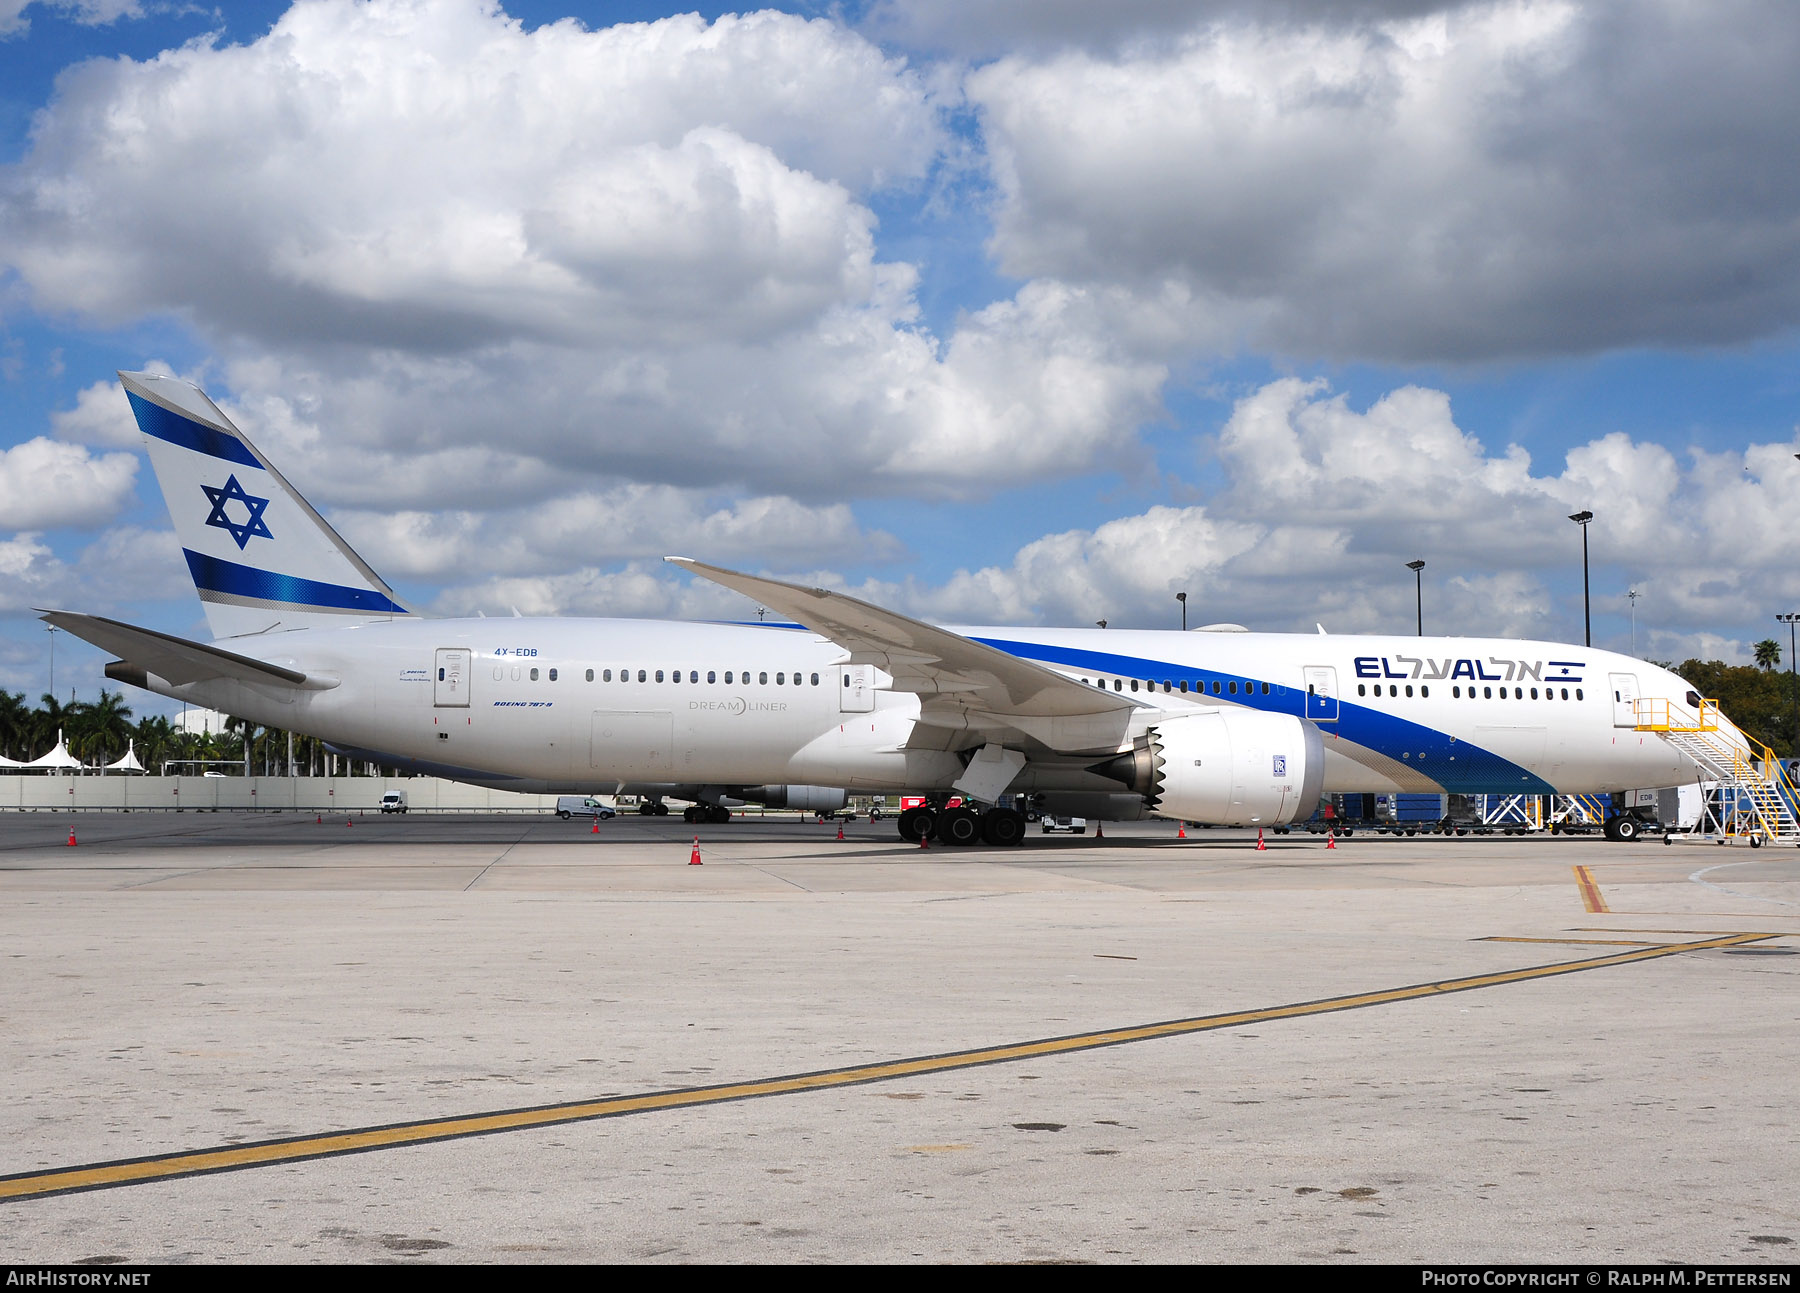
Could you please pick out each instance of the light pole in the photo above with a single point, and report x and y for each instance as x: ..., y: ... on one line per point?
x: 1182, y: 598
x: 52, y: 631
x: 1631, y: 595
x: 1419, y: 591
x: 1587, y: 615
x: 1793, y: 679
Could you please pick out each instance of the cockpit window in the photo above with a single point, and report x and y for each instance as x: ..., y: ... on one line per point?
x: 1693, y: 700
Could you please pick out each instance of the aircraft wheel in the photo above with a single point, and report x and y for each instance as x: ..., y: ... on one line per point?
x: 718, y: 814
x: 1627, y: 830
x: 1610, y: 828
x: 646, y: 810
x: 917, y: 824
x: 662, y: 810
x: 1003, y: 826
x: 959, y: 826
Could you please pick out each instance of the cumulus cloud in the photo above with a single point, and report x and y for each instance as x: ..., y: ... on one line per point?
x: 14, y: 20
x: 1323, y: 504
x: 123, y: 566
x: 629, y: 522
x: 1003, y: 26
x: 448, y: 260
x: 45, y: 484
x: 429, y: 174
x: 1515, y: 178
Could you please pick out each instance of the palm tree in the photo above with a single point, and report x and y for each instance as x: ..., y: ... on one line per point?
x: 15, y: 723
x: 157, y: 737
x: 1768, y: 653
x: 52, y: 717
x: 104, y: 726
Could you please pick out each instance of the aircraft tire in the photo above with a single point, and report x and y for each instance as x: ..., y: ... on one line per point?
x: 1003, y: 827
x: 1610, y: 828
x: 916, y: 824
x: 959, y: 826
x: 718, y: 814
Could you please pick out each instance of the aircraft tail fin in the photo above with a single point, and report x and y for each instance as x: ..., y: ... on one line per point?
x: 262, y: 559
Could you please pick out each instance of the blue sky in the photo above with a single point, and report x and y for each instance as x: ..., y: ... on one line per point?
x: 1011, y: 314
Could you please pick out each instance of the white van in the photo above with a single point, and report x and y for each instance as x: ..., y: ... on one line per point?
x: 568, y: 806
x: 394, y: 801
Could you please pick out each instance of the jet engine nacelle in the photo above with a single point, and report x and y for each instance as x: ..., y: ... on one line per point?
x: 1232, y: 767
x: 808, y: 799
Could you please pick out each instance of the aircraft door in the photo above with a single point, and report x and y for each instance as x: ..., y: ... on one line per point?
x: 856, y: 690
x: 450, y: 687
x: 1321, y: 693
x: 1625, y: 695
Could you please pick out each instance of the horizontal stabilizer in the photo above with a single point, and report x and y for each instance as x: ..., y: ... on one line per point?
x: 175, y: 659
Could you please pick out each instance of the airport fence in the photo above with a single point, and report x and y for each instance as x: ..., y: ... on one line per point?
x: 88, y: 794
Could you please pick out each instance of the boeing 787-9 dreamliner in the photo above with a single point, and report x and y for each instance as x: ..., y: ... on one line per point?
x: 1222, y: 727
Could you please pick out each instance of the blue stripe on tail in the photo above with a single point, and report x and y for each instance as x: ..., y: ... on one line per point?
x: 214, y: 574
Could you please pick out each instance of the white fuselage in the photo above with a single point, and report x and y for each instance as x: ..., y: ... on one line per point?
x: 591, y: 704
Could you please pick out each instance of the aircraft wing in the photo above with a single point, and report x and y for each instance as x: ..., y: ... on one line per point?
x: 166, y: 656
x: 964, y: 685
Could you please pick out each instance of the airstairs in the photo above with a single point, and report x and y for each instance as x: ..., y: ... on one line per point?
x: 1754, y: 799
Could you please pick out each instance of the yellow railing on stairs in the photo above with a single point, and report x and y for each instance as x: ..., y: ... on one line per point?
x: 1752, y: 765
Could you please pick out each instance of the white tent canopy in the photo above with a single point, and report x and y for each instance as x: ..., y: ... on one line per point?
x: 57, y: 758
x: 128, y: 762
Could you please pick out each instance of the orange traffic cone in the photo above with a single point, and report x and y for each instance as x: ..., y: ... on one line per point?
x: 840, y: 830
x: 319, y: 819
x: 924, y: 841
x: 1331, y: 841
x: 1181, y: 831
x: 694, y: 857
x: 1260, y: 846
x: 1099, y: 830
x: 596, y: 829
x: 349, y: 821
x: 71, y: 837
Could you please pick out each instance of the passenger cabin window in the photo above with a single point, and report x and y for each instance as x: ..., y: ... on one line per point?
x: 711, y: 676
x: 659, y: 676
x: 553, y: 675
x: 763, y: 678
x: 534, y: 675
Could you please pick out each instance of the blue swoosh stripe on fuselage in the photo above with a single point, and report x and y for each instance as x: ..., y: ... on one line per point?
x: 217, y: 575
x: 154, y: 419
x: 1458, y: 765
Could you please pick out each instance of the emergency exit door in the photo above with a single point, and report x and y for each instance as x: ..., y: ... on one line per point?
x: 856, y: 689
x: 1321, y: 693
x: 450, y: 689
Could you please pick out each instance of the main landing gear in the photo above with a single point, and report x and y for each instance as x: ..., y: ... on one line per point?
x: 997, y: 826
x: 705, y: 815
